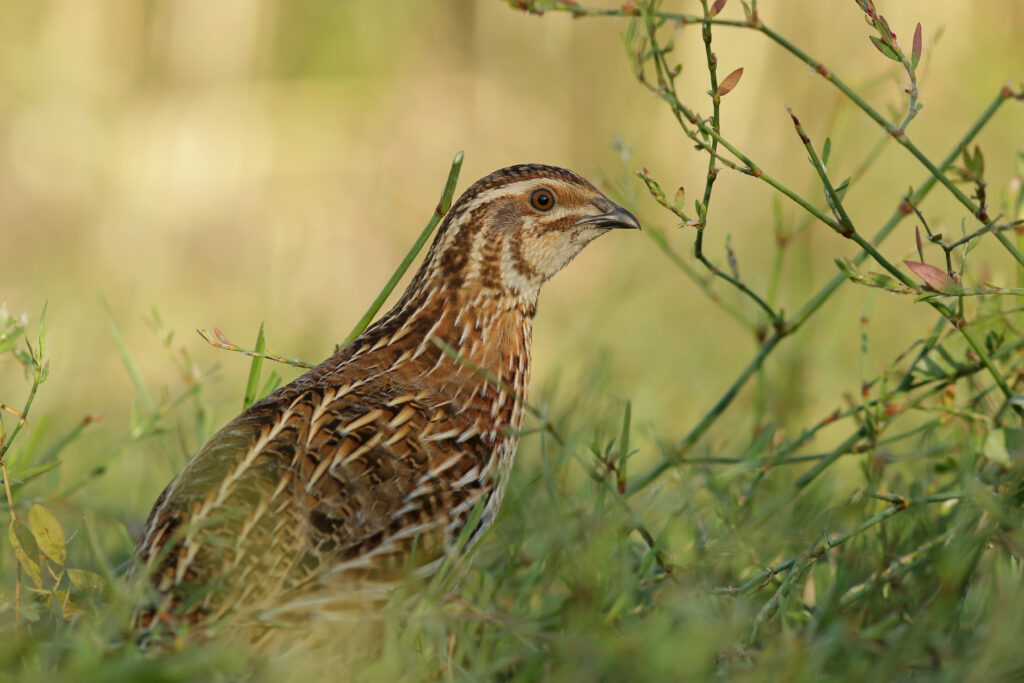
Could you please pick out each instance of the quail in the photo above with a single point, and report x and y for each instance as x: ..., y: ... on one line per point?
x: 377, y: 457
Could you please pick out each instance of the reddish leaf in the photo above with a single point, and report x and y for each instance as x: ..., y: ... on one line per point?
x: 915, y: 53
x: 985, y: 274
x: 220, y: 335
x: 729, y: 82
x: 717, y: 7
x: 917, y: 236
x: 933, y: 277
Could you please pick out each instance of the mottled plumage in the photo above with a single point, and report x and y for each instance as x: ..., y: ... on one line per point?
x: 323, y: 487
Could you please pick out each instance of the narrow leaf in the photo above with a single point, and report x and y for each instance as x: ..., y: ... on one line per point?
x: 847, y: 268
x: 884, y: 49
x: 729, y: 82
x: 42, y: 332
x: 31, y: 473
x: 26, y: 550
x: 747, y: 14
x: 717, y: 7
x: 623, y: 449
x: 48, y: 533
x: 255, y: 369
x: 915, y: 53
x: 272, y: 383
x: 883, y: 27
x: 920, y: 248
x: 126, y: 359
x: 842, y: 188
x: 701, y: 209
x: 439, y: 212
x: 826, y: 151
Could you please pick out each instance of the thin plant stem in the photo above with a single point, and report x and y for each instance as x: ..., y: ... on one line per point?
x: 847, y: 229
x: 761, y: 579
x: 809, y: 308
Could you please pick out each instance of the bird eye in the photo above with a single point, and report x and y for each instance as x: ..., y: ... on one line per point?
x: 542, y: 199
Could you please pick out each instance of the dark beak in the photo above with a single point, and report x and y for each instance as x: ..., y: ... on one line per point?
x: 616, y: 218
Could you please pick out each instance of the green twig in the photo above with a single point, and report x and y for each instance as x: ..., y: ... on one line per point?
x: 810, y: 307
x: 218, y: 340
x: 847, y: 229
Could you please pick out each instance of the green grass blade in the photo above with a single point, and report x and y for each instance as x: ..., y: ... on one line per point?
x: 126, y: 358
x: 254, y: 371
x: 439, y: 213
x: 272, y: 383
x: 624, y: 448
x: 455, y: 553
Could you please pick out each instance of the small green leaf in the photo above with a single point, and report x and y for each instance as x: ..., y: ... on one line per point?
x: 680, y: 198
x: 652, y: 186
x: 42, y: 331
x: 881, y: 281
x: 975, y: 164
x: 847, y: 268
x: 702, y: 210
x: 884, y: 49
x: 842, y: 188
x: 48, y: 533
x: 26, y: 550
x: 86, y: 580
x: 998, y: 442
x: 826, y: 151
x: 927, y: 367
x: 32, y: 472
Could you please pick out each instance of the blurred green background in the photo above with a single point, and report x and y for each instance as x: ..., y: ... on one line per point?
x: 240, y: 161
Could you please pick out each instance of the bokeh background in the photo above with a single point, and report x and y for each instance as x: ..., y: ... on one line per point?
x: 246, y: 161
